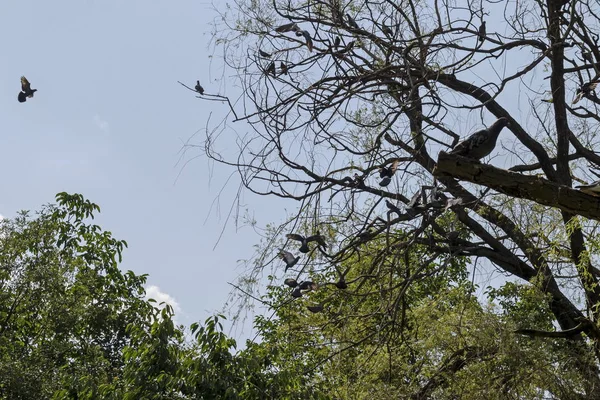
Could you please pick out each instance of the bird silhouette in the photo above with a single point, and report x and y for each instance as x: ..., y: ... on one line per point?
x: 309, y: 42
x: 296, y: 293
x: 592, y: 189
x: 482, y: 142
x: 315, y: 309
x: 482, y: 32
x: 264, y: 54
x: 271, y: 68
x: 386, y: 173
x: 26, y: 90
x: 284, y: 68
x: 199, y: 88
x: 291, y: 282
x: 337, y: 41
x: 304, y: 241
x: 341, y: 284
x: 352, y: 22
x: 289, y: 259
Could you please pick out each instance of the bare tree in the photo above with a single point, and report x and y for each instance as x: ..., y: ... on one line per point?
x: 353, y: 103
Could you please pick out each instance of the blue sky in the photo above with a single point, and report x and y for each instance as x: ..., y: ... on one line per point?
x: 109, y: 121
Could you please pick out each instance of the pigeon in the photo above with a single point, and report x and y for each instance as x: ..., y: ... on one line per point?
x: 591, y: 189
x: 305, y: 240
x: 199, y: 88
x: 284, y: 68
x: 337, y: 41
x: 271, y: 68
x: 296, y: 293
x: 264, y: 54
x: 26, y: 90
x: 289, y: 259
x: 482, y: 32
x: 352, y: 22
x: 308, y: 286
x: 315, y: 309
x: 387, y: 30
x: 291, y: 282
x: 291, y: 27
x: 587, y: 56
x: 341, y: 284
x: 481, y: 143
x: 386, y: 173
x: 309, y: 42
x: 585, y: 89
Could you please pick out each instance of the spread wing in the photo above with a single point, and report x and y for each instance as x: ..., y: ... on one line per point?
x: 25, y: 85
x: 317, y: 238
x: 295, y: 236
x: 309, y: 42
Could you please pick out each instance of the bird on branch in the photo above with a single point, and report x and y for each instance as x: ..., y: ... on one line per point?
x: 304, y: 241
x: 26, y: 90
x: 482, y: 142
x: 386, y: 173
x: 289, y: 259
x: 482, y: 32
x: 199, y: 88
x: 271, y: 69
x: 264, y: 54
x: 284, y: 68
x: 291, y: 282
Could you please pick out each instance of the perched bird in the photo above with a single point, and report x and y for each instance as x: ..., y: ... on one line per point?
x: 387, y: 30
x: 308, y: 286
x: 199, y: 88
x: 291, y: 282
x: 289, y: 259
x: 309, y: 42
x: 386, y: 173
x: 592, y: 189
x: 264, y: 54
x: 296, y: 293
x: 290, y: 27
x: 352, y: 22
x: 337, y: 41
x: 26, y: 90
x: 315, y: 309
x: 341, y: 284
x: 305, y: 240
x: 392, y: 208
x: 271, y: 69
x: 587, y: 56
x: 284, y: 68
x: 482, y: 31
x: 482, y: 142
x: 585, y: 89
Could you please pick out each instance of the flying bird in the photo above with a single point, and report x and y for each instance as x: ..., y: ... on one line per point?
x: 291, y: 282
x: 482, y: 142
x: 305, y: 240
x: 289, y: 259
x: 592, y: 189
x: 585, y: 89
x: 26, y: 90
x: 482, y: 32
x: 264, y: 54
x: 284, y: 68
x: 199, y: 88
x: 386, y: 173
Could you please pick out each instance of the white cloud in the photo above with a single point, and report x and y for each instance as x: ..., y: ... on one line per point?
x: 101, y: 123
x: 154, y: 292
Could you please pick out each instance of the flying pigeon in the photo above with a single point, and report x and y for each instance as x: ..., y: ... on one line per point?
x: 386, y: 173
x: 482, y: 142
x: 352, y: 22
x: 284, y: 68
x: 199, y: 88
x: 585, y: 89
x: 291, y: 282
x: 289, y: 259
x: 315, y: 309
x: 305, y: 240
x: 482, y: 32
x: 592, y: 189
x: 26, y: 90
x: 264, y: 54
x: 271, y: 68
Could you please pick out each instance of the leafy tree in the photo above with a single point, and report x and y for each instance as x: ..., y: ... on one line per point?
x: 335, y: 91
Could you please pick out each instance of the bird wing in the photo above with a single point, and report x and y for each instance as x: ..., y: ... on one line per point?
x: 317, y: 238
x: 287, y: 28
x: 22, y: 97
x: 394, y: 166
x: 264, y: 53
x: 309, y: 42
x: 385, y: 181
x: 472, y: 142
x: 295, y: 236
x: 286, y: 256
x: 25, y: 85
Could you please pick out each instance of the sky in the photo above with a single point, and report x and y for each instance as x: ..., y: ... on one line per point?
x: 109, y: 121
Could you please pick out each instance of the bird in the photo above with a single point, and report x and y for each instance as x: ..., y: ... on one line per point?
x: 387, y: 30
x: 393, y: 208
x: 585, y: 89
x: 341, y: 284
x: 291, y: 27
x: 337, y: 41
x: 291, y: 282
x: 289, y: 259
x: 284, y: 68
x: 296, y: 293
x: 305, y: 240
x: 309, y: 42
x: 315, y: 309
x: 308, y: 286
x: 591, y: 189
x: 199, y: 88
x: 352, y: 22
x: 26, y: 90
x: 482, y: 32
x: 264, y: 54
x: 386, y: 173
x: 271, y: 68
x: 482, y: 142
